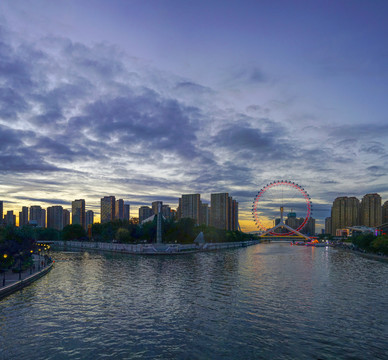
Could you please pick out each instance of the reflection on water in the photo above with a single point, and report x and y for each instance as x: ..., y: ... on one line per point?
x: 265, y: 301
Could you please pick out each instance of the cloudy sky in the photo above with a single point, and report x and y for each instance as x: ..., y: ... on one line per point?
x: 150, y: 99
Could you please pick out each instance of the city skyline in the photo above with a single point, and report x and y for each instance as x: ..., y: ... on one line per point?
x: 344, y: 212
x: 145, y: 99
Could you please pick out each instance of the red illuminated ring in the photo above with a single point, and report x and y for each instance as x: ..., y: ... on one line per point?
x: 281, y: 183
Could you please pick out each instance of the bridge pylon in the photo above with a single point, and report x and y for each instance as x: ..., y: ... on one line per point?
x: 296, y: 234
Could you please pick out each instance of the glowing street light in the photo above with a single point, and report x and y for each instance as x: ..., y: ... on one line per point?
x: 4, y: 270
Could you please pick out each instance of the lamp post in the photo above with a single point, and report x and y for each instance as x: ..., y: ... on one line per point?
x: 31, y: 262
x: 20, y: 265
x: 5, y: 256
x: 39, y: 250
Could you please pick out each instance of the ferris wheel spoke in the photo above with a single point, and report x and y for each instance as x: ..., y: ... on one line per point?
x: 276, y: 195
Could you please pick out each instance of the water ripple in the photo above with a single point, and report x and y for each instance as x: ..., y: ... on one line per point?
x: 267, y: 301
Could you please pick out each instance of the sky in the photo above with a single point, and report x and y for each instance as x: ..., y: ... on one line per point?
x: 150, y: 99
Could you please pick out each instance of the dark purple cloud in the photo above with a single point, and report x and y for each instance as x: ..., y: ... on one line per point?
x: 109, y: 121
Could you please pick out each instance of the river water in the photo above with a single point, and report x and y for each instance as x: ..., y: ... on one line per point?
x: 268, y: 301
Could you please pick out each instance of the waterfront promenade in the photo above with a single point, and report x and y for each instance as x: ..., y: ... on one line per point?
x: 263, y: 301
x: 11, y: 281
x: 150, y: 249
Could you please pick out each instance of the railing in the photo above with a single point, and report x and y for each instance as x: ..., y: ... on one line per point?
x: 151, y: 248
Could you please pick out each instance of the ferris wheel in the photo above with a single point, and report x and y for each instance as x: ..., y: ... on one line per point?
x: 286, y: 196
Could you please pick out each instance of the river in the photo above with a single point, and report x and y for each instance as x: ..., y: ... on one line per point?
x: 268, y: 301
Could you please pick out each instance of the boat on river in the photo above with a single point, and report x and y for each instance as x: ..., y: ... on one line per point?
x: 298, y: 243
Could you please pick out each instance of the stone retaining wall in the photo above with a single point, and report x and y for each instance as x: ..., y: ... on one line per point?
x: 151, y: 248
x: 18, y: 285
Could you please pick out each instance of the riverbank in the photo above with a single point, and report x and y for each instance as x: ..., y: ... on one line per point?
x: 235, y: 304
x: 11, y: 282
x: 151, y: 249
x: 352, y: 249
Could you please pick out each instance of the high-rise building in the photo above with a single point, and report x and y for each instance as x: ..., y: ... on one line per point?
x: 233, y: 214
x: 89, y: 218
x: 291, y: 221
x: 43, y: 218
x: 309, y: 228
x: 204, y: 216
x: 179, y: 209
x: 1, y: 212
x: 108, y: 206
x: 119, y: 209
x: 155, y: 206
x: 219, y: 210
x: 55, y: 217
x: 190, y: 207
x: 78, y: 212
x: 344, y: 212
x: 166, y: 211
x: 127, y: 212
x: 23, y: 216
x: 10, y: 218
x: 144, y: 213
x: 37, y: 216
x: 50, y: 217
x: 66, y: 217
x: 371, y: 210
x: 384, y: 213
x: 328, y: 225
x: 352, y: 211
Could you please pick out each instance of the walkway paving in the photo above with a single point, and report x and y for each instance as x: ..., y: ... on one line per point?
x: 9, y: 277
x: 11, y: 282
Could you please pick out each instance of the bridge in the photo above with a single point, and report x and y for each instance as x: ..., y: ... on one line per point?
x: 291, y: 235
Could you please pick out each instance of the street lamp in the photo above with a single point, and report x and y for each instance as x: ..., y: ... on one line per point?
x: 31, y: 261
x: 4, y: 270
x: 20, y: 264
x: 39, y: 258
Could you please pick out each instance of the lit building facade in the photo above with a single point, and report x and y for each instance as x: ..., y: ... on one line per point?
x: 371, y: 210
x: 344, y: 212
x: 108, y: 206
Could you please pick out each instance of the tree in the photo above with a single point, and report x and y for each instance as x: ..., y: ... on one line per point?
x: 380, y: 244
x: 181, y: 231
x: 73, y: 232
x: 364, y: 241
x: 123, y: 235
x: 148, y: 231
x: 46, y: 234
